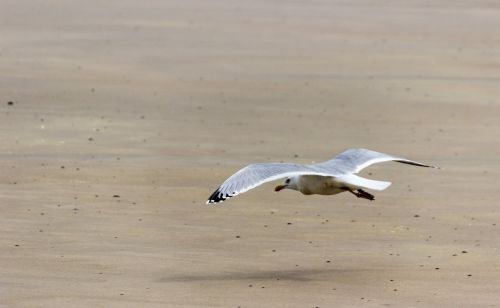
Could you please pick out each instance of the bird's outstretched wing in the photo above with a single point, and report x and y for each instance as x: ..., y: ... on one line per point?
x: 257, y: 174
x: 355, y: 160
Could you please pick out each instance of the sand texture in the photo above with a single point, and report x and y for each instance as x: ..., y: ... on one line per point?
x: 124, y: 116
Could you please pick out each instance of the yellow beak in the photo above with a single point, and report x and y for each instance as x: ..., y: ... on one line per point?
x: 279, y: 187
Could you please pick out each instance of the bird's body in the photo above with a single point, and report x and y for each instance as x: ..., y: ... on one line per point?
x: 327, y: 178
x: 319, y: 185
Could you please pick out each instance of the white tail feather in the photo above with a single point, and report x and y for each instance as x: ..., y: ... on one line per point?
x: 364, y: 183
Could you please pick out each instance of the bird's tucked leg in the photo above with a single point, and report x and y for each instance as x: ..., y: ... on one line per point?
x: 361, y: 194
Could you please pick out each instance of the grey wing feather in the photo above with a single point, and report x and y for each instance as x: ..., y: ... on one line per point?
x: 355, y: 160
x: 257, y: 174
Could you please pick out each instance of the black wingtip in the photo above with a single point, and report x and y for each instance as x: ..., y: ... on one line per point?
x: 218, y: 197
x: 416, y: 164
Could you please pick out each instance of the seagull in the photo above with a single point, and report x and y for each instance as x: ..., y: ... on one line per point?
x: 326, y: 178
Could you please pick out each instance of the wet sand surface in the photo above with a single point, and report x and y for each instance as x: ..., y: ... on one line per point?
x: 126, y: 115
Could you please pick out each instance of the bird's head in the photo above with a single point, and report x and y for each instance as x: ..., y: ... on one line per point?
x: 290, y: 183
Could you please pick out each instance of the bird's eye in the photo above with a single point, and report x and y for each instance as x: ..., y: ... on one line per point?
x: 287, y: 181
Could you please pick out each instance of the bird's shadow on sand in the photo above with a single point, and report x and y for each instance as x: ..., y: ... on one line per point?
x: 287, y: 275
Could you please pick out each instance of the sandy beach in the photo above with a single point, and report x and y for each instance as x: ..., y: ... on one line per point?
x: 119, y: 118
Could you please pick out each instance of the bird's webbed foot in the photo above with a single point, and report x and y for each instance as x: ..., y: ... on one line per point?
x: 362, y: 194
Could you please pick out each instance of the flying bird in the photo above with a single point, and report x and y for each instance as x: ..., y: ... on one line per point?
x: 326, y: 178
